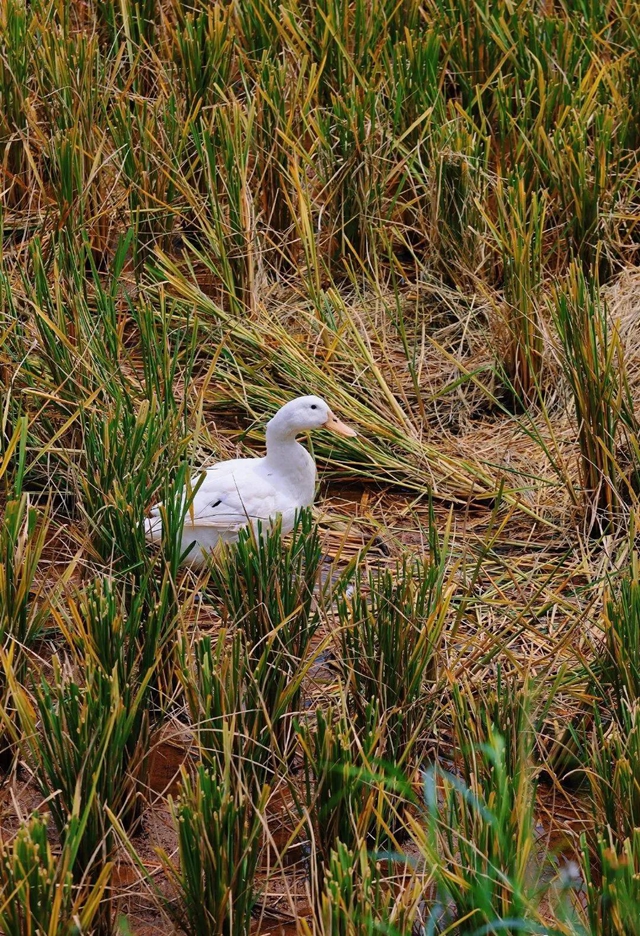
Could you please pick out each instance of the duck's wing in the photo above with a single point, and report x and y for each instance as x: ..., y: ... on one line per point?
x: 231, y: 495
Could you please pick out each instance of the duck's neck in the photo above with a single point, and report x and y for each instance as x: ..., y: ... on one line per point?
x: 281, y: 444
x: 287, y: 456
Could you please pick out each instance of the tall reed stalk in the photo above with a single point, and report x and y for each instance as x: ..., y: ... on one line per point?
x: 23, y: 613
x: 219, y: 845
x: 266, y: 589
x: 592, y: 361
x: 621, y: 668
x: 479, y: 842
x: 81, y: 741
x: 520, y: 231
x: 392, y: 628
x: 38, y: 893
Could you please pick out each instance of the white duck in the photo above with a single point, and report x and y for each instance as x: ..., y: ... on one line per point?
x: 240, y: 491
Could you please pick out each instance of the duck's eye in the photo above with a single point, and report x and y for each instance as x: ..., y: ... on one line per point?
x: 313, y: 406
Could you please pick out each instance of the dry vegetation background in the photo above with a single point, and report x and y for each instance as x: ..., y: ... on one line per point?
x: 419, y: 714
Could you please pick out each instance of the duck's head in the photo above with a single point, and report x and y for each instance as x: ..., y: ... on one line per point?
x: 306, y: 413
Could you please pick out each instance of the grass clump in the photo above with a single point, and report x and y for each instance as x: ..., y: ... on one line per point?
x: 392, y: 628
x: 266, y: 589
x: 612, y: 902
x: 342, y: 780
x: 263, y: 583
x: 520, y: 235
x: 594, y: 367
x: 480, y: 844
x: 22, y: 538
x: 230, y: 717
x: 219, y: 846
x: 615, y: 760
x: 38, y: 893
x: 622, y: 637
x: 615, y: 749
x: 79, y: 740
x: 356, y: 899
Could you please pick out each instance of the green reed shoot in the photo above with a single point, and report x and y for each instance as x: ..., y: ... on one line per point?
x: 622, y: 635
x: 614, y: 774
x: 233, y: 136
x: 582, y: 157
x: 592, y: 361
x: 342, y: 782
x: 37, y: 886
x: 76, y: 167
x: 124, y: 467
x: 80, y: 740
x: 15, y: 50
x: 355, y: 900
x: 222, y: 202
x: 453, y: 221
x: 258, y: 26
x: 219, y: 846
x: 265, y: 587
x: 612, y: 900
x: 22, y: 538
x: 130, y: 28
x: 277, y: 125
x: 417, y: 67
x: 348, y: 132
x: 264, y: 581
x: 202, y: 52
x: 392, y: 628
x: 520, y: 238
x: 129, y: 623
x: 110, y: 625
x: 23, y: 534
x: 479, y: 843
x: 503, y: 707
x: 230, y: 718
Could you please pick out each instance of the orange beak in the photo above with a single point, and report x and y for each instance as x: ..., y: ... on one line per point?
x: 333, y: 424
